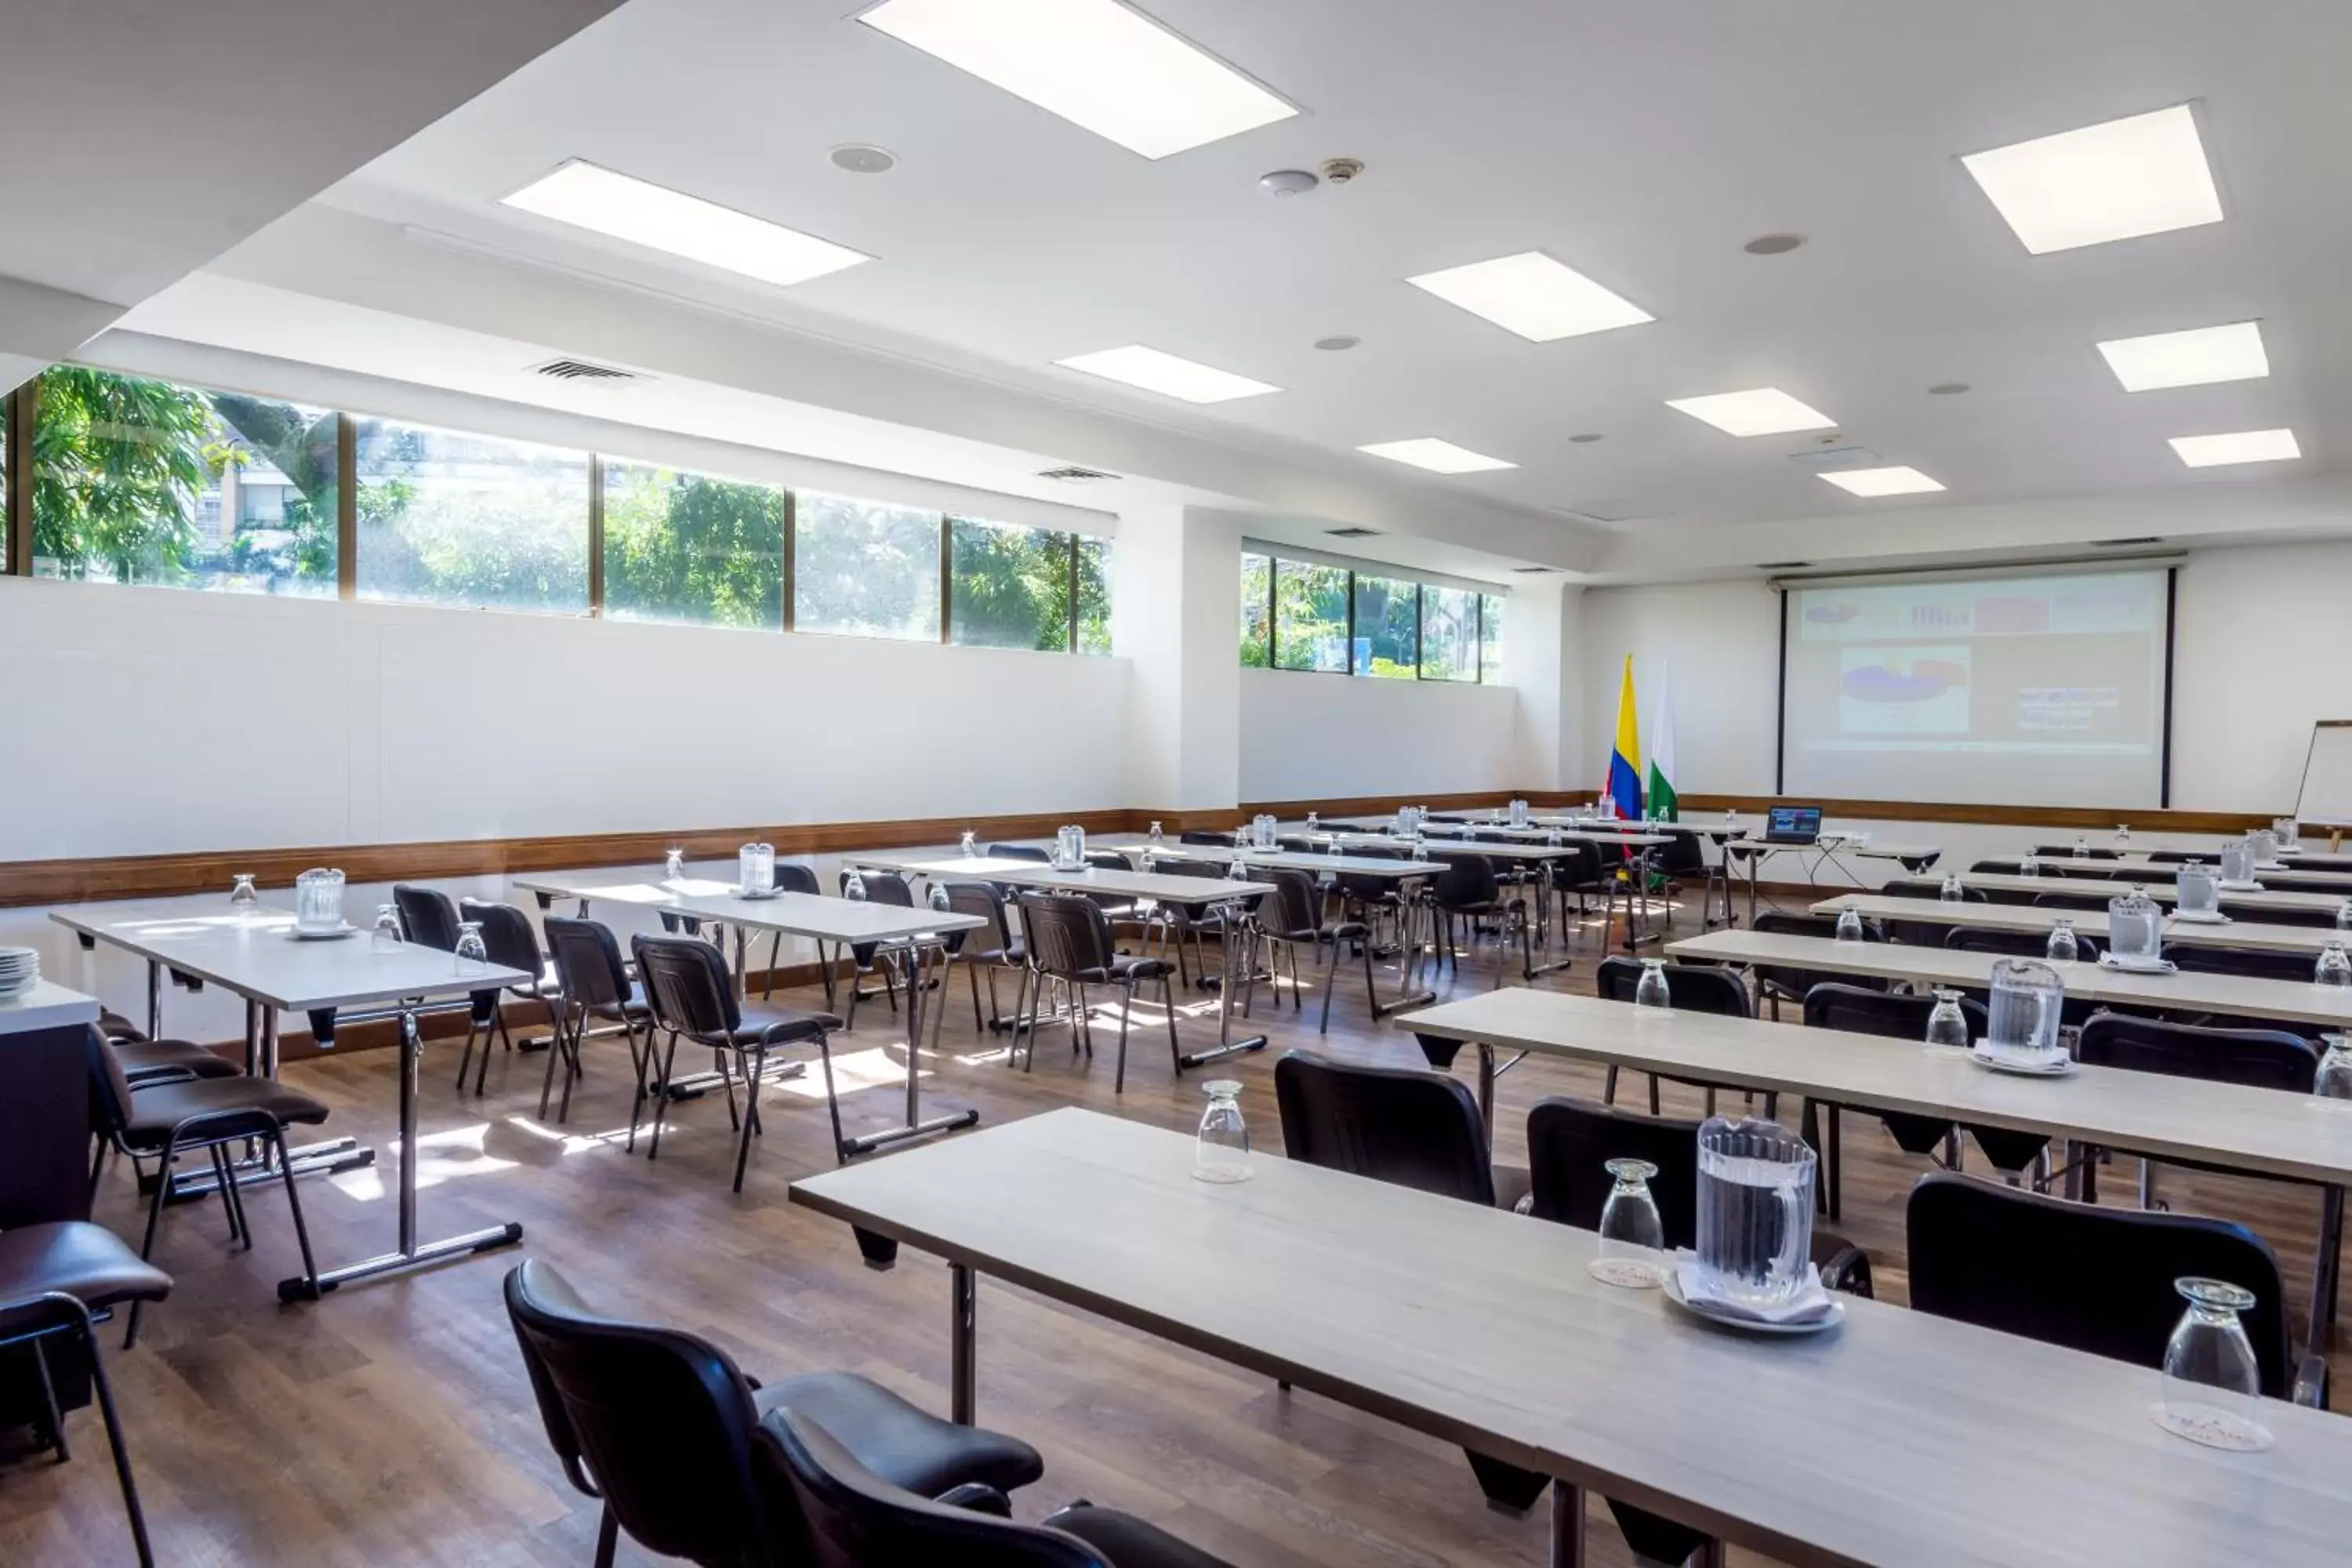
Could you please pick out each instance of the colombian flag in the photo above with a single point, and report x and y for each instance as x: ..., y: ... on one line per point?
x: 1625, y: 756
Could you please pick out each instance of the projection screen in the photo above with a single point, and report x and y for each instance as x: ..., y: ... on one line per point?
x: 2007, y: 689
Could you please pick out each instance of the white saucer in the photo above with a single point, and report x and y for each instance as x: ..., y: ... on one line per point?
x: 2246, y: 887
x: 771, y: 893
x: 2059, y: 1067
x: 1671, y: 1287
x: 2137, y: 965
x: 295, y: 933
x: 2201, y: 917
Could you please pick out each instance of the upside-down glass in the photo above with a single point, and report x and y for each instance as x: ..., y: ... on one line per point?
x: 1754, y: 1211
x: 2334, y: 1080
x: 2063, y: 947
x: 2027, y: 997
x: 968, y: 846
x: 241, y: 898
x: 1650, y: 991
x: 1953, y: 890
x: 2194, y: 890
x: 386, y: 937
x: 1221, y: 1150
x: 2344, y: 915
x: 2123, y: 836
x: 673, y: 865
x: 2082, y: 848
x: 1946, y: 1025
x: 1630, y: 1229
x: 473, y: 957
x: 2210, y: 1377
x: 2029, y: 864
x: 940, y: 897
x: 1849, y: 925
x: 852, y: 885
x: 1419, y: 848
x: 1157, y: 837
x: 2333, y: 966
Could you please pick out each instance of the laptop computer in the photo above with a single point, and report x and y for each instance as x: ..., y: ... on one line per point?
x: 1793, y: 825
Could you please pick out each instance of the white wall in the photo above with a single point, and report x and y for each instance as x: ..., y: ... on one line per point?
x: 1307, y: 736
x: 1723, y: 642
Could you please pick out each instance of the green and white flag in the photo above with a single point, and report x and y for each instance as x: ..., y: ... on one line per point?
x: 1661, y: 801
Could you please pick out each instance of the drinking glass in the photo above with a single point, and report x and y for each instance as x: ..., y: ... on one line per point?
x: 1633, y: 1235
x: 1554, y: 838
x: 2026, y: 997
x: 940, y: 897
x: 852, y: 885
x: 242, y: 896
x: 2334, y: 966
x: 1313, y: 824
x: 1419, y: 848
x: 1221, y: 1152
x: 1849, y: 925
x: 2334, y: 1080
x: 2063, y: 947
x: 2082, y: 848
x: 1731, y: 821
x: 2213, y: 1385
x: 385, y: 938
x: 1755, y: 1212
x: 2123, y: 836
x: 1157, y: 837
x: 473, y: 957
x: 673, y: 865
x: 2029, y: 864
x: 1650, y: 991
x: 1953, y: 890
x: 969, y: 844
x: 1946, y: 1025
x: 2344, y: 915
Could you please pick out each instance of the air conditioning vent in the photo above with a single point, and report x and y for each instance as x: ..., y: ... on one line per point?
x: 1354, y: 533
x: 1071, y: 474
x: 582, y: 370
x: 2126, y: 543
x: 1782, y: 565
x: 1529, y: 571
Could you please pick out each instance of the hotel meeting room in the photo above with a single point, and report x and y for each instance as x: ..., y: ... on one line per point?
x: 1174, y: 784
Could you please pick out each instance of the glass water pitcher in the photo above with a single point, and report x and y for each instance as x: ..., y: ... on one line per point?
x: 2266, y: 848
x: 2134, y: 927
x: 755, y: 869
x: 2237, y: 863
x: 2027, y: 997
x: 1754, y: 1211
x: 2195, y: 889
x: 319, y: 899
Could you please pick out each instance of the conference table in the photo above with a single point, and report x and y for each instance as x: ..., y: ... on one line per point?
x: 1536, y: 844
x: 2247, y: 934
x: 1899, y: 1440
x: 2160, y: 888
x: 1826, y: 850
x: 2139, y: 863
x: 2298, y: 1001
x: 1194, y: 894
x: 255, y: 955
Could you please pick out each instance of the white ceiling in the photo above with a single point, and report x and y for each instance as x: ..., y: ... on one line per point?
x: 1642, y: 144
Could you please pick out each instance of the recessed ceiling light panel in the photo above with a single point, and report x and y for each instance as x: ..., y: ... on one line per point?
x: 2146, y: 175
x: 590, y: 197
x: 1894, y: 481
x: 1532, y: 295
x: 2193, y: 358
x: 2239, y: 447
x: 1762, y: 411
x: 1438, y: 457
x: 1166, y: 374
x: 1096, y: 63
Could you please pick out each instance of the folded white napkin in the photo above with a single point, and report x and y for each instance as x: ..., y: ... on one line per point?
x: 1811, y: 1303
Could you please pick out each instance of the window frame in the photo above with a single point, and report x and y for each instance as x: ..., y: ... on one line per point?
x: 1475, y: 625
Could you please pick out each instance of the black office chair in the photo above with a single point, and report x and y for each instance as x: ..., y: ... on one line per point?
x: 39, y: 1320
x: 1402, y: 1125
x: 2091, y: 1278
x: 2262, y: 963
x: 1207, y: 835
x: 692, y: 997
x: 509, y: 941
x: 2268, y: 914
x: 1679, y: 861
x: 1181, y: 923
x: 1030, y: 852
x: 594, y: 987
x: 1690, y: 988
x: 794, y: 877
x: 2069, y: 852
x: 428, y: 917
x: 658, y: 1424
x: 2015, y: 944
x: 992, y: 946
x: 1292, y: 919
x: 2059, y: 899
x: 1465, y: 889
x: 884, y: 887
x: 1777, y: 983
x: 855, y: 1519
x: 1897, y: 1015
x: 1070, y: 941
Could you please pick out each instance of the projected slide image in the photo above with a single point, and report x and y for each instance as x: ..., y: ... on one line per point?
x: 1903, y: 690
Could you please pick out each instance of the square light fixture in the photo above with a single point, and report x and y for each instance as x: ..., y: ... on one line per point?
x: 2193, y: 358
x: 2119, y: 180
x: 589, y: 196
x: 1532, y: 295
x: 2239, y: 447
x: 1166, y: 374
x: 1438, y: 457
x: 1763, y: 411
x: 1099, y: 64
x: 1872, y: 482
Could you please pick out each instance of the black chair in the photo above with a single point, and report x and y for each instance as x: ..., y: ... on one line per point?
x: 2059, y: 899
x: 1680, y: 860
x: 428, y: 917
x: 855, y: 1519
x: 2262, y: 963
x: 1898, y: 1015
x: 1690, y: 988
x: 2071, y: 852
x: 1465, y: 889
x: 1206, y: 835
x: 658, y: 1426
x: 992, y: 946
x: 1181, y: 923
x: 888, y: 888
x: 594, y: 986
x: 2265, y: 914
x: 509, y: 941
x: 1777, y: 983
x: 2014, y: 943
x: 792, y: 877
x: 2091, y: 1278
x: 2256, y: 1058
x: 1031, y: 852
x: 1402, y: 1125
x: 1070, y: 941
x: 34, y: 1320
x: 688, y: 987
x: 1292, y: 918
x: 162, y: 1120
x: 144, y: 1059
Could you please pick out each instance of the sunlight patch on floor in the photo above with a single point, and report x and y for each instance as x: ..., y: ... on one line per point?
x: 441, y: 1157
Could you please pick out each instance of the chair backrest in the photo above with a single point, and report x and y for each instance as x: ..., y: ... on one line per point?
x: 110, y: 1086
x: 2090, y: 1279
x: 1568, y: 1143
x: 1578, y: 869
x: 1394, y: 1124
x: 1069, y: 936
x: 1787, y: 981
x: 1691, y: 988
x: 1109, y: 860
x: 1019, y: 852
x: 427, y: 917
x: 2262, y: 1058
x: 2014, y: 943
x: 1902, y: 1016
x: 794, y: 877
x: 2263, y: 914
x: 855, y: 1519
x: 1174, y: 866
x: 2056, y: 899
x: 686, y: 984
x: 507, y: 940
x: 1995, y: 867
x: 587, y: 961
x: 1295, y: 910
x: 2066, y: 852
x: 991, y: 940
x: 883, y: 888
x: 1206, y: 835
x: 1682, y: 852
x: 2262, y: 963
x: 1464, y: 880
x: 661, y: 1422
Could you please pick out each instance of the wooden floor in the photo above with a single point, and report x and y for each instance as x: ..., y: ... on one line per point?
x: 391, y: 1423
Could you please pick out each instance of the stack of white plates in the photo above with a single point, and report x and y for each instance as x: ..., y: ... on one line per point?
x: 20, y: 970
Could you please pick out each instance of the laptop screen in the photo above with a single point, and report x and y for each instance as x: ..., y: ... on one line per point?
x: 1794, y: 822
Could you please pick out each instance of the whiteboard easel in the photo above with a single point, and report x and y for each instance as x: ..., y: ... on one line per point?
x: 2326, y: 797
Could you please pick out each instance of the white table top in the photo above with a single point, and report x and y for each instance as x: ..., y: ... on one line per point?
x: 1280, y: 859
x: 2300, y: 1000
x: 2236, y: 932
x: 2260, y: 1130
x: 46, y: 1006
x: 1756, y: 844
x: 795, y: 914
x: 1591, y: 832
x: 1901, y: 1440
x: 2138, y: 863
x: 257, y: 956
x: 2159, y: 889
x: 1166, y: 890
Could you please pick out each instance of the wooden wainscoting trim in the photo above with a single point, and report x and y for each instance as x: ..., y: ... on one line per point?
x: 2077, y: 817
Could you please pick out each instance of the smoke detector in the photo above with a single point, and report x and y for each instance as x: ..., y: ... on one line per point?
x: 1287, y: 182
x: 863, y: 158
x: 1339, y: 171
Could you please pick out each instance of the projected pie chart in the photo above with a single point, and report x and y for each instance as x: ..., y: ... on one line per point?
x: 1905, y: 680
